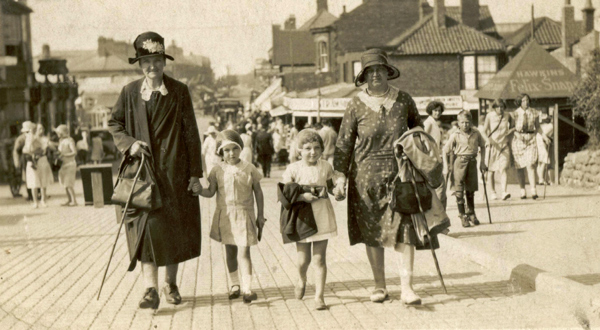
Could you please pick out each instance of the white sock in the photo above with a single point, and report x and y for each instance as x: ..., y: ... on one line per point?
x: 234, y: 278
x: 246, y: 283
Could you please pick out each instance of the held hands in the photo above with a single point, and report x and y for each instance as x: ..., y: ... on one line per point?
x: 195, y: 186
x: 138, y: 148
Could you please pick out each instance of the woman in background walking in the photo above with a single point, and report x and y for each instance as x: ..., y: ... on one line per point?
x: 68, y: 169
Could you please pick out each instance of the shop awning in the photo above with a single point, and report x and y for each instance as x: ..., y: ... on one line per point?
x: 279, y: 111
x: 533, y: 71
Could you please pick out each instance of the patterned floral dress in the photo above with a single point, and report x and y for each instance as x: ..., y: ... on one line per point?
x: 524, y: 144
x: 364, y: 154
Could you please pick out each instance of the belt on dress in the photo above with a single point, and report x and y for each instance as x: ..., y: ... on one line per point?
x: 467, y: 157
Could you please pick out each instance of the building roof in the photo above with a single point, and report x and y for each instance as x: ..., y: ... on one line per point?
x: 98, y: 63
x: 532, y: 71
x: 302, y: 50
x: 321, y: 20
x: 293, y: 47
x: 14, y: 7
x: 384, y: 20
x: 548, y: 33
x: 427, y: 38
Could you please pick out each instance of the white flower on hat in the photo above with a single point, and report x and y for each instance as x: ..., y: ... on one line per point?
x: 153, y: 46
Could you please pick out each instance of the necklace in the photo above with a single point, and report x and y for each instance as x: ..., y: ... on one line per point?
x: 378, y: 95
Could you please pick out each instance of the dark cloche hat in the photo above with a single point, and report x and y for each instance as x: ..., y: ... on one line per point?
x: 372, y: 57
x: 149, y: 44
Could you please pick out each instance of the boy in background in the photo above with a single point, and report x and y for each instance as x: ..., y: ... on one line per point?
x: 465, y: 143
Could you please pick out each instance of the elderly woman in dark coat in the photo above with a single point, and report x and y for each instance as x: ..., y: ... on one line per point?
x: 154, y: 116
x: 373, y: 120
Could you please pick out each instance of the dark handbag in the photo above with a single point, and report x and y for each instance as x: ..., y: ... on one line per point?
x: 403, y: 198
x: 143, y: 196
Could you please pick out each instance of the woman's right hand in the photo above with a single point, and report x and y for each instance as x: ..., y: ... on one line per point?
x: 138, y: 148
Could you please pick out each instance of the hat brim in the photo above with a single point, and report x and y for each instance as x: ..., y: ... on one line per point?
x: 132, y: 60
x: 393, y: 73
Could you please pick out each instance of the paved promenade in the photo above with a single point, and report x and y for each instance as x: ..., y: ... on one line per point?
x: 52, y: 260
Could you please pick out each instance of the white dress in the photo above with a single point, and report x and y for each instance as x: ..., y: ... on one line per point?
x: 68, y: 169
x: 234, y: 221
x: 316, y: 175
x: 246, y: 154
x: 42, y: 176
x: 209, y: 150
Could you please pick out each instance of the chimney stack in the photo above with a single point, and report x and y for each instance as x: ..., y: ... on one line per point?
x: 322, y: 5
x: 439, y: 13
x: 568, y: 27
x: 290, y: 23
x: 45, y: 51
x: 422, y: 7
x: 588, y: 17
x: 469, y: 13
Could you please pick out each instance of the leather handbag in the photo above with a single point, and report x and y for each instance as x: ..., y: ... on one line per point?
x: 403, y: 197
x: 143, y: 196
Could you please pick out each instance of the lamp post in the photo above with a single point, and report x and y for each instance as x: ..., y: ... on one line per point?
x: 318, y: 73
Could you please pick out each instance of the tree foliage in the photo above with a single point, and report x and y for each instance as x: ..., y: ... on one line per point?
x: 586, y: 99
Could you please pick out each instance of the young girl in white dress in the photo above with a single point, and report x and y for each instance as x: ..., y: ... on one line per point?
x: 237, y: 184
x: 313, y: 171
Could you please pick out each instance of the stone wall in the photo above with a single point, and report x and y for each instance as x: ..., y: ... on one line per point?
x: 582, y: 169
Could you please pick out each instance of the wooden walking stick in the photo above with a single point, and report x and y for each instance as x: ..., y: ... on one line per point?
x: 137, y: 175
x: 435, y: 260
x: 487, y: 202
x: 546, y: 170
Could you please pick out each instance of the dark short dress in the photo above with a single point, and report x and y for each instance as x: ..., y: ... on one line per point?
x: 364, y: 153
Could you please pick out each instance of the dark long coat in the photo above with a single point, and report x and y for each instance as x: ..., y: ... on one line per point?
x: 172, y: 133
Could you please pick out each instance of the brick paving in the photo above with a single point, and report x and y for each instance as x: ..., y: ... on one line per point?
x: 52, y: 260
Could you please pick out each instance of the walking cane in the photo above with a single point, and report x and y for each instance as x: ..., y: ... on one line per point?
x: 546, y: 170
x: 435, y: 260
x: 487, y: 202
x: 137, y: 175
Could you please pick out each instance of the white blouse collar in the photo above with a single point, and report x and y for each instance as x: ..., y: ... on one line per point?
x: 375, y: 103
x: 146, y: 90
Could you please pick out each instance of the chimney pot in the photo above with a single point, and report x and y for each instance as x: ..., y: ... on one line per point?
x: 322, y: 5
x: 45, y: 51
x: 568, y: 27
x: 588, y: 17
x: 469, y: 13
x: 439, y: 13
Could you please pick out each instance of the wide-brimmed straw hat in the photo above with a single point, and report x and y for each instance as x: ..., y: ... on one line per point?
x: 62, y: 130
x: 149, y: 44
x: 372, y: 57
x: 27, y: 126
x: 211, y: 129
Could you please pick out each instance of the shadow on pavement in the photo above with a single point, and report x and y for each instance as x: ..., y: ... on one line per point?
x: 587, y: 279
x: 549, y: 219
x: 13, y: 219
x: 47, y: 240
x: 468, y: 234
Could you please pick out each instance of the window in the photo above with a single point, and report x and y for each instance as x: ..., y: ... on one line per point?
x: 478, y: 70
x: 356, y: 67
x: 469, y: 72
x: 486, y: 69
x: 11, y: 25
x: 345, y: 72
x: 323, y: 56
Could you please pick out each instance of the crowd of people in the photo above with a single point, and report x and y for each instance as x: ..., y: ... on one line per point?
x: 39, y: 159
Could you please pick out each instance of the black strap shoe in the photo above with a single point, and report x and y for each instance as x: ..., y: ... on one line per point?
x: 465, y: 220
x: 150, y: 300
x: 171, y: 292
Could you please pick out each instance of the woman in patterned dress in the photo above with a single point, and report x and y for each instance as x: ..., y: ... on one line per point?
x: 497, y: 127
x: 524, y: 143
x: 373, y: 120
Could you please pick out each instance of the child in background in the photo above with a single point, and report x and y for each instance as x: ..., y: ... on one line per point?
x: 465, y: 143
x: 237, y: 184
x: 313, y: 171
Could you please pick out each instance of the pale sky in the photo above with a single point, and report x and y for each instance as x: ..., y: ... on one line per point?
x: 233, y: 33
